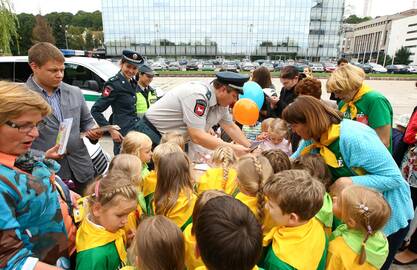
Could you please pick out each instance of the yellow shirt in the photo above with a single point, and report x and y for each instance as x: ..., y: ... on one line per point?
x: 340, y: 257
x: 191, y: 261
x: 213, y: 179
x: 251, y: 202
x: 204, y: 268
x: 149, y: 183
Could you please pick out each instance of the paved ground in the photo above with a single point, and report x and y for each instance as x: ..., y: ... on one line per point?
x: 401, y: 94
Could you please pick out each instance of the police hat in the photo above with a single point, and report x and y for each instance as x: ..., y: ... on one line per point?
x: 133, y: 58
x: 146, y: 70
x: 232, y: 79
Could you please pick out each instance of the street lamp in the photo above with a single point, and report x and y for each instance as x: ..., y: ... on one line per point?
x: 65, y: 33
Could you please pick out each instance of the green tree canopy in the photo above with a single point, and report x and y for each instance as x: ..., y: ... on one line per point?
x: 8, y: 28
x: 402, y: 56
x: 42, y: 32
x: 353, y: 19
x: 26, y: 24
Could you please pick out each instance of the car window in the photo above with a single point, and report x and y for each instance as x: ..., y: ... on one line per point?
x: 78, y: 75
x: 22, y: 72
x: 6, y: 71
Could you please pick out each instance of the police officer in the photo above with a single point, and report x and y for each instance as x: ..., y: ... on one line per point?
x: 195, y: 107
x: 146, y: 96
x: 119, y: 92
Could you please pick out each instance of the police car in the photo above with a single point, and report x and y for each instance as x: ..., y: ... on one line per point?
x: 89, y: 74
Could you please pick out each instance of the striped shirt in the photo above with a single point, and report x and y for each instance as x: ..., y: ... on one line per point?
x: 54, y: 101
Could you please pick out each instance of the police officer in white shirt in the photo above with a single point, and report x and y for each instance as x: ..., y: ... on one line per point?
x: 194, y: 108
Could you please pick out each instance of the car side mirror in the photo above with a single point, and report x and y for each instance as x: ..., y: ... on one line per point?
x: 92, y: 85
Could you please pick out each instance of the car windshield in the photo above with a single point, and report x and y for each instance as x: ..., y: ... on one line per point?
x: 106, y: 67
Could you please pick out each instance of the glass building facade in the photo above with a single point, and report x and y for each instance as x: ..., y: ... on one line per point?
x: 211, y: 28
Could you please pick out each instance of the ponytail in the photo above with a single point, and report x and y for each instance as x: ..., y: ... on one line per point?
x: 260, y: 198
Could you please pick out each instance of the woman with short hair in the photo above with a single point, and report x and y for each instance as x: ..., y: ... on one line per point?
x: 32, y: 231
x: 354, y: 155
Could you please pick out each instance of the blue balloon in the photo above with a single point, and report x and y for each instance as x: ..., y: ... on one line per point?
x: 254, y: 92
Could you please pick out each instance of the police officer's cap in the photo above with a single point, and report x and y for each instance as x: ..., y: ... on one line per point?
x: 133, y: 57
x: 232, y: 79
x: 146, y: 70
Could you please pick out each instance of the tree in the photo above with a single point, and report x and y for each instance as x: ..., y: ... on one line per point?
x: 89, y: 42
x: 88, y: 20
x: 402, y: 56
x: 8, y: 27
x: 353, y: 19
x: 75, y: 38
x: 42, y: 32
x: 26, y: 24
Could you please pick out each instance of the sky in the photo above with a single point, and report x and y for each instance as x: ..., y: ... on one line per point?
x: 378, y: 7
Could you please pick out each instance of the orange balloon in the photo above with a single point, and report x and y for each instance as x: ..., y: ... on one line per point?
x: 246, y: 112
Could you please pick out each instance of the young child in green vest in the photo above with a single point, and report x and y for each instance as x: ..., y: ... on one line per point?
x: 317, y: 167
x: 174, y: 195
x: 192, y: 261
x: 149, y: 182
x: 298, y: 242
x: 359, y: 243
x: 228, y: 235
x: 140, y: 145
x: 222, y: 175
x: 159, y: 244
x: 101, y: 241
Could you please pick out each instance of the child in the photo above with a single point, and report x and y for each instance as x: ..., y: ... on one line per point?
x: 359, y: 243
x: 299, y: 240
x: 317, y: 167
x: 149, y: 182
x: 140, y: 145
x: 222, y: 176
x: 252, y: 174
x: 228, y: 235
x: 278, y: 137
x: 174, y: 197
x: 264, y: 129
x: 132, y: 166
x: 278, y: 159
x: 191, y: 260
x: 174, y: 137
x: 159, y: 245
x: 100, y: 240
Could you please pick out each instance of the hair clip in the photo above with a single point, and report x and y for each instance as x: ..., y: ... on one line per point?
x: 369, y: 229
x: 96, y: 189
x: 364, y: 208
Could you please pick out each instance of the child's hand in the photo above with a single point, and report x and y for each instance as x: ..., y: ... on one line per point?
x: 262, y: 136
x: 129, y: 237
x: 74, y: 198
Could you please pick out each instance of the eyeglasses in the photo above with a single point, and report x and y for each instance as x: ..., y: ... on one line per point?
x: 26, y: 128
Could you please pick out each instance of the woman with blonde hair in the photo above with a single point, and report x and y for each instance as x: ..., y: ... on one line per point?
x: 360, y: 102
x: 31, y: 219
x: 354, y: 155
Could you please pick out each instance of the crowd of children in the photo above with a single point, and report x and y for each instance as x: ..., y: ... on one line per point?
x: 259, y: 211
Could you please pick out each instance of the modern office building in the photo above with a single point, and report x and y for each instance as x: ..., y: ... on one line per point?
x: 216, y: 28
x: 386, y: 34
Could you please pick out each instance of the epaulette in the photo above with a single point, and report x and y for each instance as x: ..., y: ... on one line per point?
x: 114, y: 78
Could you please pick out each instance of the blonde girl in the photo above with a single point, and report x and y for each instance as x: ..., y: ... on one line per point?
x: 140, y: 145
x: 159, y: 245
x: 174, y: 197
x: 222, y: 176
x: 359, y: 243
x: 101, y: 241
x: 174, y: 136
x: 191, y: 260
x: 278, y: 137
x: 252, y: 174
x: 149, y: 182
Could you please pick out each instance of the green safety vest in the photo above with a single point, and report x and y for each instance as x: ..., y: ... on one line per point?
x: 142, y: 105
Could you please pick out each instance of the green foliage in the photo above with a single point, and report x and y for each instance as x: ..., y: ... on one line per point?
x: 8, y: 28
x: 88, y: 20
x: 89, y: 41
x: 353, y: 19
x: 26, y: 24
x: 402, y: 56
x: 388, y: 60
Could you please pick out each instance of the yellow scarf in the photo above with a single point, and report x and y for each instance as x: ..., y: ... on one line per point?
x: 289, y: 242
x: 182, y: 210
x: 325, y: 140
x: 149, y: 183
x: 191, y: 260
x: 213, y: 179
x: 205, y: 268
x: 351, y: 104
x: 90, y: 235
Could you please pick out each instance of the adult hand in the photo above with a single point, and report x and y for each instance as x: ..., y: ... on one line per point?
x: 93, y: 134
x: 273, y: 101
x: 340, y: 184
x: 52, y: 153
x: 116, y: 136
x: 239, y: 149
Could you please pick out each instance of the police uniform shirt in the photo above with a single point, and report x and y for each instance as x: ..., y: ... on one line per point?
x: 192, y: 104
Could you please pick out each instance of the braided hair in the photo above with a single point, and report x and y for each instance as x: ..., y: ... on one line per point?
x: 225, y: 156
x: 260, y: 198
